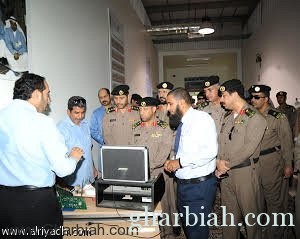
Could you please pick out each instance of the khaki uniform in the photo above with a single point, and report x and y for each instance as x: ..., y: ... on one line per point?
x: 217, y: 112
x: 276, y: 153
x: 297, y: 199
x: 161, y: 113
x: 158, y: 139
x: 117, y: 126
x: 239, y: 142
x: 290, y: 113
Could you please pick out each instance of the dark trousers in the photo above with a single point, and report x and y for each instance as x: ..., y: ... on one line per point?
x: 33, y: 211
x: 198, y: 199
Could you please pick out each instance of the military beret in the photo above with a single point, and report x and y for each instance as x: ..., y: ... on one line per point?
x: 281, y: 93
x: 165, y: 85
x: 212, y: 80
x: 136, y: 97
x: 120, y: 90
x: 201, y: 95
x: 259, y: 88
x: 231, y: 85
x: 148, y: 101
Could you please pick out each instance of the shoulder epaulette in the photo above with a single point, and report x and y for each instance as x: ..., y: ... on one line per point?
x: 276, y: 114
x: 136, y: 124
x: 162, y: 124
x: 250, y: 112
x: 110, y: 109
x: 203, y: 105
x: 135, y: 108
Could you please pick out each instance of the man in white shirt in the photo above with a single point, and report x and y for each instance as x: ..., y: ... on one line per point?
x: 194, y: 164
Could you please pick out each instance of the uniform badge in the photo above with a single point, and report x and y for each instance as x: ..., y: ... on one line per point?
x: 207, y: 83
x: 143, y: 104
x: 164, y: 85
x: 156, y: 135
x: 239, y: 121
x: 121, y: 92
x: 257, y: 89
x: 222, y: 88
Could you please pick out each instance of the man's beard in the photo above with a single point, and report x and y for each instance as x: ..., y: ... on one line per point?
x: 175, y: 119
x: 105, y: 103
x: 163, y: 101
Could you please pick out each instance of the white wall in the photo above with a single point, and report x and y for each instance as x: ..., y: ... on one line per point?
x: 177, y: 75
x: 235, y: 70
x: 277, y: 40
x: 68, y: 44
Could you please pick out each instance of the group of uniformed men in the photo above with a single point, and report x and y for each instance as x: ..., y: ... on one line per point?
x: 255, y: 148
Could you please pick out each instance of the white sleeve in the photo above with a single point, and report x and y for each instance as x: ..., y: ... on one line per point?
x: 56, y: 152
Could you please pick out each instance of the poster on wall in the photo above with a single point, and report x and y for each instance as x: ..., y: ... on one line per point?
x: 13, y: 47
x: 116, y: 50
x: 13, y: 43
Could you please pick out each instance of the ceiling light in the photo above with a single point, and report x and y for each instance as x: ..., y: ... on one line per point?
x: 198, y: 59
x: 206, y: 27
x: 196, y: 65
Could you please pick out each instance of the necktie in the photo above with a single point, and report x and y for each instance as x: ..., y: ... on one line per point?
x: 177, y: 138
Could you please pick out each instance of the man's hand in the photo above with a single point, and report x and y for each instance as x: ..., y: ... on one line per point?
x: 171, y: 165
x: 288, y: 171
x: 222, y: 166
x: 76, y: 153
x: 218, y: 173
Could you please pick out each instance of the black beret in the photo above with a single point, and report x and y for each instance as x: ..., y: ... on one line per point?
x: 120, y: 90
x: 231, y: 85
x: 136, y: 97
x: 201, y: 95
x: 148, y: 101
x: 165, y: 85
x: 212, y: 80
x: 281, y: 93
x: 259, y: 88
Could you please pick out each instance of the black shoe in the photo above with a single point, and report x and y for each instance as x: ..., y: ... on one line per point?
x: 177, y: 231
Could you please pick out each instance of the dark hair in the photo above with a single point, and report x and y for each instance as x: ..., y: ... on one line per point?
x: 28, y: 83
x: 107, y: 90
x: 135, y: 97
x: 238, y: 89
x: 76, y: 101
x: 181, y: 94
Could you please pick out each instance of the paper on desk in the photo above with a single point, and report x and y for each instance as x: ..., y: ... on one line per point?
x: 88, y: 191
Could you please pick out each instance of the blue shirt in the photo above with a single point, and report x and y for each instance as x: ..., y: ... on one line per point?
x: 32, y: 150
x: 198, y: 146
x: 15, y: 44
x: 96, y: 125
x: 79, y: 136
x: 1, y: 30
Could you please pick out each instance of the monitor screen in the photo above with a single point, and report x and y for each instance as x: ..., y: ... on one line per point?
x: 125, y: 163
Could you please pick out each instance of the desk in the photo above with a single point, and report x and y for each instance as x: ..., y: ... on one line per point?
x: 110, y: 223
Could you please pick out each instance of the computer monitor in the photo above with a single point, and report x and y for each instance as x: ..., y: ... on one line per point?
x: 125, y: 163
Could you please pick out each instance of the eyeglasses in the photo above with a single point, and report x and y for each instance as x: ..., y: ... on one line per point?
x: 256, y: 97
x: 79, y: 101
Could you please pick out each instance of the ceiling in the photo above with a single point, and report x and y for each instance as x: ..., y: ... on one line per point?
x: 227, y: 16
